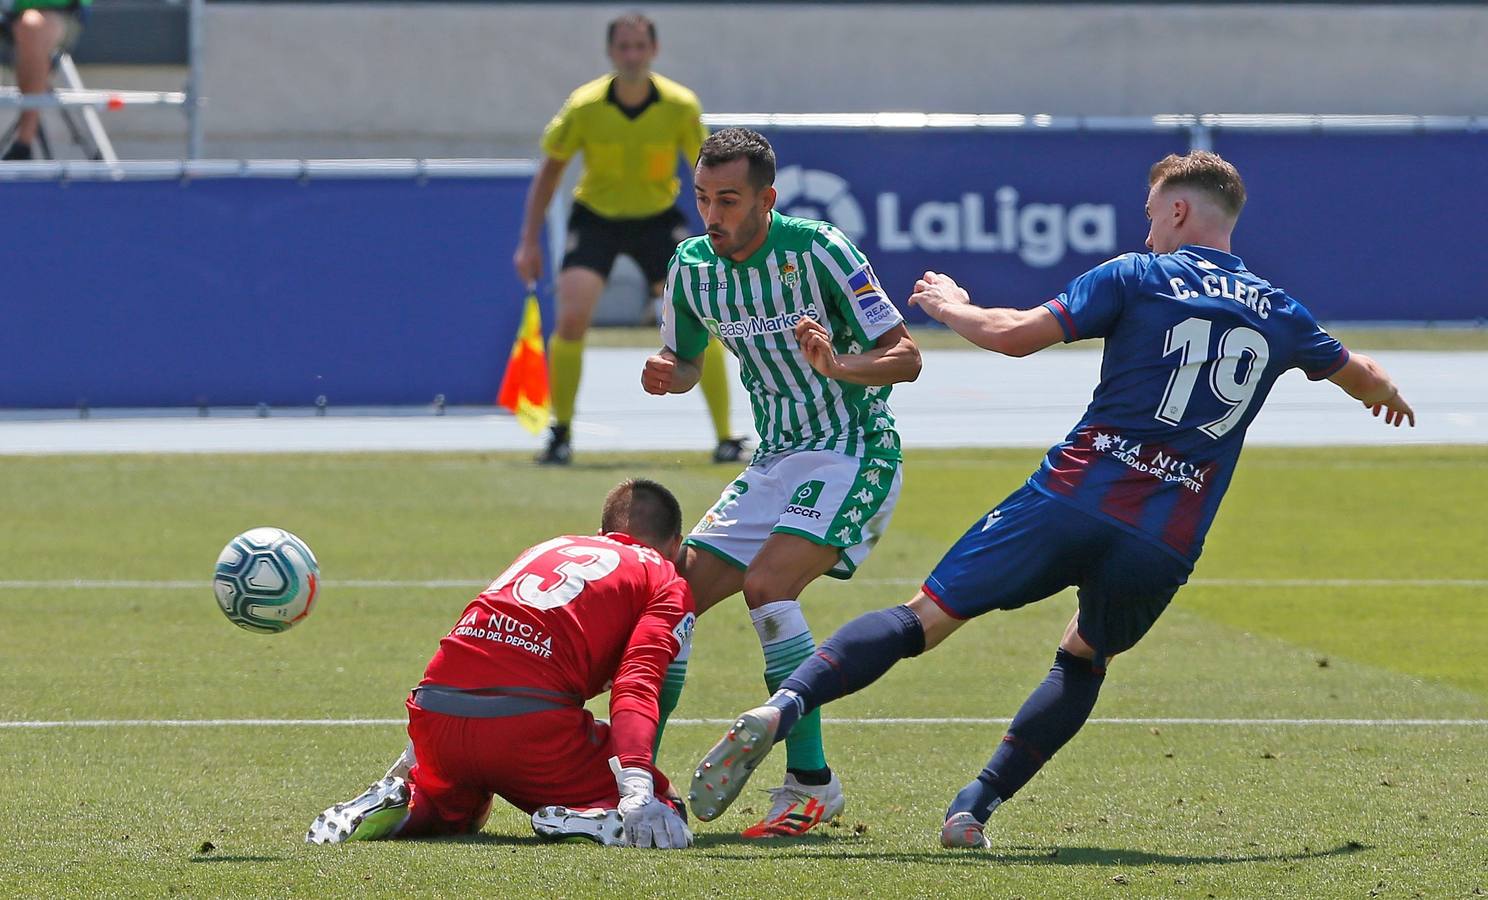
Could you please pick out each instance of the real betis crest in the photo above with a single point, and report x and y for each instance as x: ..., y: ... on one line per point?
x: 790, y: 275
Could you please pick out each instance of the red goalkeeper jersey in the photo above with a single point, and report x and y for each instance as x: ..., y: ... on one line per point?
x: 577, y: 615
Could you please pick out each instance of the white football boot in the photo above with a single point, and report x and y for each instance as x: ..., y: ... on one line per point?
x: 377, y: 813
x: 796, y: 808
x: 725, y: 769
x: 963, y: 832
x: 559, y: 823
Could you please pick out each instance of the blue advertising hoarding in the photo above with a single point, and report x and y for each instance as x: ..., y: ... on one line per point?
x: 1013, y: 216
x: 238, y: 291
x: 245, y: 291
x: 1366, y: 227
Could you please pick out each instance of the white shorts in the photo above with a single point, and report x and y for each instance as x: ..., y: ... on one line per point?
x: 827, y: 497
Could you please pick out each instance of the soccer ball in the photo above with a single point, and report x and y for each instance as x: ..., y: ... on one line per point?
x: 266, y: 580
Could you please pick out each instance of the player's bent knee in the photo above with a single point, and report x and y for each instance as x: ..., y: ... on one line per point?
x: 763, y: 586
x: 29, y: 24
x: 936, y: 622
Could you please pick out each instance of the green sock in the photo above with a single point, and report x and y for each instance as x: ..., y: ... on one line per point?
x: 787, y: 643
x: 671, y: 692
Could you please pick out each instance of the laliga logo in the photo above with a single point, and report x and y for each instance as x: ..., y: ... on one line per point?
x: 814, y: 194
x: 1039, y: 233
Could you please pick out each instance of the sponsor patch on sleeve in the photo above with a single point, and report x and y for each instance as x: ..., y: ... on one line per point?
x: 865, y: 287
x: 683, y: 631
x: 882, y: 311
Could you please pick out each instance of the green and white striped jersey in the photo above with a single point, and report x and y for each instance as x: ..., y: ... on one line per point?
x: 804, y: 268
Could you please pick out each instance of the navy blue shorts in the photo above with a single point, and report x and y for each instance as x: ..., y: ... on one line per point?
x: 1033, y: 546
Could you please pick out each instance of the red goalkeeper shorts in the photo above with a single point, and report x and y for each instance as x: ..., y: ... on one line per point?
x: 555, y: 757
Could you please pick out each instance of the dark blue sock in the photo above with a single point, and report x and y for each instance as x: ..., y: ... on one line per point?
x: 1050, y: 716
x: 848, y: 661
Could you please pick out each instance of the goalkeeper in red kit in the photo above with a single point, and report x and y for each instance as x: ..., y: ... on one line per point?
x: 500, y: 710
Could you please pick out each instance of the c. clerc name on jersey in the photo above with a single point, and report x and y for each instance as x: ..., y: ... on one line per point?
x: 1218, y: 286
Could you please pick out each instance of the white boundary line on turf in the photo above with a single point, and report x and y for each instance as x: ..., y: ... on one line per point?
x: 64, y: 584
x: 948, y: 720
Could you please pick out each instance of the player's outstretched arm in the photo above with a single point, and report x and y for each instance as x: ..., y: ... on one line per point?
x: 895, y: 356
x: 667, y: 373
x: 1013, y: 332
x: 1367, y: 381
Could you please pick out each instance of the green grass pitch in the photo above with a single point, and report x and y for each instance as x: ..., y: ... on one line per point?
x: 1338, y: 584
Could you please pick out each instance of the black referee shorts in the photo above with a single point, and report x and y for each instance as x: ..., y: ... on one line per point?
x: 594, y: 241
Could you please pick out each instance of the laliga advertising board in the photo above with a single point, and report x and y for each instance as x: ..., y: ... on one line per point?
x: 1012, y: 216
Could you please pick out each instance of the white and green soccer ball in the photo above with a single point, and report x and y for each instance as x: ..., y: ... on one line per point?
x: 266, y: 580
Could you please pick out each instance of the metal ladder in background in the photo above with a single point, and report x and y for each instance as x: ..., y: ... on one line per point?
x: 83, y: 123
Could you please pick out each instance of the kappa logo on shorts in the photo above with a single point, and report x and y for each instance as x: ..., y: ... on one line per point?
x: 803, y: 502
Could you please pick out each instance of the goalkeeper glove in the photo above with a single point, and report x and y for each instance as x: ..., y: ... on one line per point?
x: 648, y: 822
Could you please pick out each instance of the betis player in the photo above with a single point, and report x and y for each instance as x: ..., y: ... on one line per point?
x: 819, y: 344
x: 1194, y: 340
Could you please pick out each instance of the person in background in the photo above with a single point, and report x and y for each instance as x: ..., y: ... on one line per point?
x: 631, y: 125
x: 37, y: 29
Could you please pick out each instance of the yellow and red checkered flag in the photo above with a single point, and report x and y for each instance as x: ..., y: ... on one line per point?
x: 524, y: 387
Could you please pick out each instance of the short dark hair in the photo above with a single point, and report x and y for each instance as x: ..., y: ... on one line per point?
x: 730, y: 144
x: 630, y: 20
x: 1206, y: 171
x: 643, y: 509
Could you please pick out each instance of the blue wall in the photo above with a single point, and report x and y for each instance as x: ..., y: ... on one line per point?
x: 235, y: 292
x: 1356, y: 226
x: 1012, y: 216
x: 1364, y: 227
x: 390, y: 291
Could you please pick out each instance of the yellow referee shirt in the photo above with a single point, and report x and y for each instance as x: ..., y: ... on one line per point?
x: 630, y: 165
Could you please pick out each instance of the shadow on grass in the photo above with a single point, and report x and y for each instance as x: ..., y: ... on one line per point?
x: 199, y: 858
x: 703, y: 841
x: 829, y: 846
x: 1050, y: 856
x: 1102, y: 856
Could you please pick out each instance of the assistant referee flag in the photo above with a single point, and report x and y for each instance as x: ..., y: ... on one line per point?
x: 524, y: 387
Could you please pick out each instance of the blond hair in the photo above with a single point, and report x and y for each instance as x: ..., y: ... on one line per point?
x: 1207, y: 172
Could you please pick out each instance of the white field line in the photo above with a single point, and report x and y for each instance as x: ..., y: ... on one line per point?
x: 65, y: 584
x: 949, y: 720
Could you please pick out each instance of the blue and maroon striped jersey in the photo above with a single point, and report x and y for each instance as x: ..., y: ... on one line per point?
x: 1194, y: 342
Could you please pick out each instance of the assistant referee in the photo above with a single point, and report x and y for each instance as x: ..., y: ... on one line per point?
x: 630, y: 125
